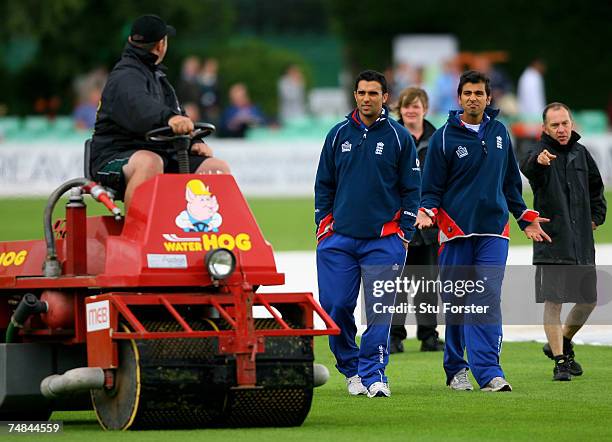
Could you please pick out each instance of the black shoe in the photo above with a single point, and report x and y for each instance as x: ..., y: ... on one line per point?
x: 432, y: 343
x: 396, y: 346
x: 568, y: 348
x: 574, y: 367
x: 561, y: 372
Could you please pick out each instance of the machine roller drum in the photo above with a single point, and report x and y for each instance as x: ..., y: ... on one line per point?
x: 185, y: 383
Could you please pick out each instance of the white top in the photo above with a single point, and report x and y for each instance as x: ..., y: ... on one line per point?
x: 474, y: 127
x: 531, y: 100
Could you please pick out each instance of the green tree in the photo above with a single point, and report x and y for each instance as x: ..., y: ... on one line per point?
x: 47, y: 43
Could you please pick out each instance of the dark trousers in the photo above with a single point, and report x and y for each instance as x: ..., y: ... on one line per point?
x: 420, y: 263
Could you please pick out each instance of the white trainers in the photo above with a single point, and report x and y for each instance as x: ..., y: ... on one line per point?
x: 460, y: 381
x: 497, y: 384
x: 355, y: 387
x: 379, y: 389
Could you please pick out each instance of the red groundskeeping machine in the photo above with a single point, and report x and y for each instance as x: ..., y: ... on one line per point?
x: 149, y: 319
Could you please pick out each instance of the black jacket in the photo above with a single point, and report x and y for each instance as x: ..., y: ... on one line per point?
x: 137, y: 98
x: 571, y: 193
x: 426, y: 236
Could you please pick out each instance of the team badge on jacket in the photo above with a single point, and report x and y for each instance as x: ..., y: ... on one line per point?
x: 499, y: 142
x: 461, y: 152
x: 346, y: 146
x: 379, y: 148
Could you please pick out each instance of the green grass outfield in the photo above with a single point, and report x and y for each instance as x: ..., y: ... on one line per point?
x: 422, y: 407
x: 286, y: 222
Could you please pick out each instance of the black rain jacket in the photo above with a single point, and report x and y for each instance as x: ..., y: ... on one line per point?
x: 137, y: 98
x: 570, y: 193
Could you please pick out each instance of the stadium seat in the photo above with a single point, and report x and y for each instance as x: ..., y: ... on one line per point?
x: 35, y: 125
x: 9, y: 127
x: 591, y: 121
x: 62, y: 126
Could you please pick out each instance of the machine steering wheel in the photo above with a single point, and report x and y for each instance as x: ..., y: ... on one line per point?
x: 165, y: 134
x: 180, y: 143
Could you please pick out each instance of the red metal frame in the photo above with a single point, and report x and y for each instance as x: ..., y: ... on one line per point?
x: 241, y: 340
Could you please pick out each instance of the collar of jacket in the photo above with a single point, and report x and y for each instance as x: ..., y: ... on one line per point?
x: 551, y: 142
x: 353, y: 117
x: 454, y: 117
x: 143, y: 55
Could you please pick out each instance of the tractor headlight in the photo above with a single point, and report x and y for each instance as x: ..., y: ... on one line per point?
x: 220, y: 263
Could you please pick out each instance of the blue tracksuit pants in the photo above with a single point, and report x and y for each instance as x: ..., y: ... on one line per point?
x: 477, y: 258
x: 343, y: 263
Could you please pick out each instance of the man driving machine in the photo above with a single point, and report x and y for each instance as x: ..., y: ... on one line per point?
x: 136, y: 99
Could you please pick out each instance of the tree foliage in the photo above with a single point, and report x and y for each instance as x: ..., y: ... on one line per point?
x: 65, y: 38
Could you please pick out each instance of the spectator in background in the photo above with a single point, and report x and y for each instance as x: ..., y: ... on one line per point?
x: 241, y: 114
x: 445, y: 89
x: 422, y: 259
x: 291, y: 94
x: 88, y: 89
x: 188, y: 88
x: 403, y: 76
x: 208, y: 79
x: 531, y: 96
x: 567, y: 188
x: 85, y: 113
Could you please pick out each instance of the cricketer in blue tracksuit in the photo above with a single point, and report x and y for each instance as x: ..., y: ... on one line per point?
x: 471, y: 182
x: 367, y: 194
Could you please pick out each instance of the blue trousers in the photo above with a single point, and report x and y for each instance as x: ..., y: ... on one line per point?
x: 342, y: 264
x: 477, y: 258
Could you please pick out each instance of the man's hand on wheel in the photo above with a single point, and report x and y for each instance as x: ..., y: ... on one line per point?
x: 181, y: 125
x: 201, y: 149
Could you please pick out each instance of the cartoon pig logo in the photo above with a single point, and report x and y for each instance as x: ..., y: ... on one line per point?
x: 202, y: 214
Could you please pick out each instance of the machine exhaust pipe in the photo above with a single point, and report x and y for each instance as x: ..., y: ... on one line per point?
x: 77, y: 379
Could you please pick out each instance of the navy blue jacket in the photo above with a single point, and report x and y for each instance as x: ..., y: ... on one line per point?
x: 368, y: 180
x: 472, y: 180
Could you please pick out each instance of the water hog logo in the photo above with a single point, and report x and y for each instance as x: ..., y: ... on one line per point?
x: 202, y: 212
x: 202, y: 215
x: 12, y: 258
x: 175, y: 243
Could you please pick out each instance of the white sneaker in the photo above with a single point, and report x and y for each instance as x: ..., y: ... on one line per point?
x: 497, y: 384
x: 460, y: 381
x: 355, y: 387
x: 379, y: 389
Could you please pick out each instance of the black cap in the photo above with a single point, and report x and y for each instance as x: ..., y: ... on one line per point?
x: 149, y: 29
